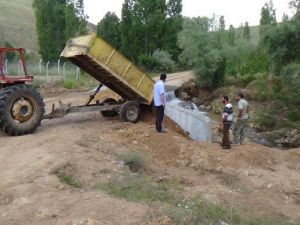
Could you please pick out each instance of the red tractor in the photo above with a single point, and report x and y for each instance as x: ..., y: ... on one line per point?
x: 21, y: 107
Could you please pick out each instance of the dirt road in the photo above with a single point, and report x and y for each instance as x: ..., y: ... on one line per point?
x: 87, y: 146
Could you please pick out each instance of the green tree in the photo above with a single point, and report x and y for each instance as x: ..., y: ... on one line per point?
x: 231, y: 35
x: 210, y: 69
x: 127, y: 32
x: 268, y: 14
x: 173, y: 26
x: 75, y: 18
x: 51, y: 25
x: 283, y: 43
x: 57, y: 21
x: 142, y: 26
x: 247, y: 31
x: 295, y: 4
x: 109, y: 29
x: 268, y: 17
x: 193, y: 39
x: 222, y: 24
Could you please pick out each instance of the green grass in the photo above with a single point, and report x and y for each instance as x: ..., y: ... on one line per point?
x: 142, y: 189
x: 69, y: 84
x: 69, y: 180
x: 182, y: 211
x: 134, y: 161
x: 200, y: 211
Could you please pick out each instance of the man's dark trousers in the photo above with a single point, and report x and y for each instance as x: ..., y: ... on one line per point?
x: 226, y: 139
x: 160, y: 112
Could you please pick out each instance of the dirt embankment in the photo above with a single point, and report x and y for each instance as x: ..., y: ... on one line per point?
x: 86, y: 149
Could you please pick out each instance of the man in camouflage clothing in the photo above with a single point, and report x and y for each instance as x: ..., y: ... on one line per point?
x: 242, y: 121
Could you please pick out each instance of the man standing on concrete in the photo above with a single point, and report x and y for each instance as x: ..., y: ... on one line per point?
x: 242, y: 121
x: 227, y: 118
x: 159, y: 94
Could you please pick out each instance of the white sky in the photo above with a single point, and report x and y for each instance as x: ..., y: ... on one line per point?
x: 235, y: 11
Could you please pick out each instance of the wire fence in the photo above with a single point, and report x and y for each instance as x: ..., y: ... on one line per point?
x: 46, y: 71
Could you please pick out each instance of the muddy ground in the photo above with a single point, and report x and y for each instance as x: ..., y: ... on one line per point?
x: 88, y: 147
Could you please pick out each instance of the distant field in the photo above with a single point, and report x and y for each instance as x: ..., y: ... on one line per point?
x: 17, y: 24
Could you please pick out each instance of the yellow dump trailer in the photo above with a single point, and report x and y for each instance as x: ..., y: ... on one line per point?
x: 99, y: 59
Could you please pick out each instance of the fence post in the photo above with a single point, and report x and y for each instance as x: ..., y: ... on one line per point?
x: 64, y: 70
x: 77, y: 73
x: 40, y: 66
x: 58, y: 67
x: 6, y: 69
x: 20, y: 68
x: 47, y: 71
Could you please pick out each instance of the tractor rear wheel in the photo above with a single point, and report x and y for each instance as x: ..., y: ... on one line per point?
x: 109, y: 113
x: 21, y: 110
x: 130, y: 112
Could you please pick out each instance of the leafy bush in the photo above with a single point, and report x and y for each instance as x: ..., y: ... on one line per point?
x: 147, y: 61
x: 266, y: 121
x: 291, y: 71
x: 164, y: 61
x: 294, y: 116
x: 242, y: 81
x: 210, y: 69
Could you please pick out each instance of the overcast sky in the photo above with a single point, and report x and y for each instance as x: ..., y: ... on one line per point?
x: 235, y: 11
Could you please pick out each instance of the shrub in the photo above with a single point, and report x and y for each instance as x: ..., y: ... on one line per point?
x: 164, y: 61
x: 266, y: 121
x: 210, y: 70
x: 294, y: 116
x: 147, y: 62
x: 291, y: 70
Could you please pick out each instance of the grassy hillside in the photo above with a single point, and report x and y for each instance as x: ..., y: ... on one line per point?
x: 17, y: 24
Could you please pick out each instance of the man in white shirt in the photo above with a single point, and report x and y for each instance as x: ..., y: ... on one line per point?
x: 159, y: 93
x: 242, y: 121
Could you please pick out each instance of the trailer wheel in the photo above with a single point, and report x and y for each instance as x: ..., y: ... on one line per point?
x: 21, y: 110
x: 130, y: 111
x: 109, y: 113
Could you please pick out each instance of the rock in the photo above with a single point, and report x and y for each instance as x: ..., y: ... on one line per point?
x: 203, y: 108
x: 196, y: 101
x: 257, y: 137
x: 223, y: 223
x: 184, y: 95
x: 287, y: 138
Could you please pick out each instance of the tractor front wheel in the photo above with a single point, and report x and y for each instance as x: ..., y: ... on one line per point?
x: 21, y: 110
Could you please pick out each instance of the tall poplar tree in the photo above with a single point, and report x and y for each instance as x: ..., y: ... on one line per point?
x: 56, y: 22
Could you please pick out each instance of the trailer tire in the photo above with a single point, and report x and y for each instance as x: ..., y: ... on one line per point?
x: 21, y: 110
x: 109, y: 113
x: 130, y: 112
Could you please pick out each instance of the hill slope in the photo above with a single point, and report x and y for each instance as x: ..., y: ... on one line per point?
x: 17, y: 24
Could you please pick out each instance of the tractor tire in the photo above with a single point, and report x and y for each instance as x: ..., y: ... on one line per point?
x: 21, y: 110
x: 130, y: 112
x: 109, y: 113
